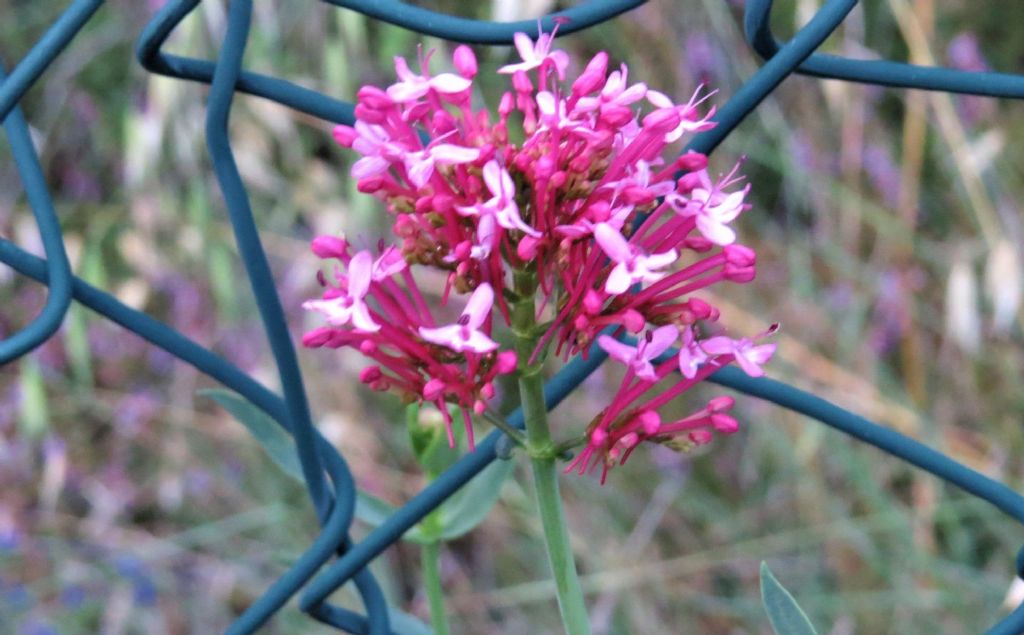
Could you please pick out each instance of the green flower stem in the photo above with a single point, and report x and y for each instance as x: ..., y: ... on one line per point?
x: 430, y: 560
x: 543, y: 456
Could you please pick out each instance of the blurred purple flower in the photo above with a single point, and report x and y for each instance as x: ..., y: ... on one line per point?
x: 701, y: 59
x: 72, y: 596
x: 135, y: 410
x: 883, y: 174
x: 15, y: 596
x: 135, y: 571
x: 965, y: 54
x: 36, y: 627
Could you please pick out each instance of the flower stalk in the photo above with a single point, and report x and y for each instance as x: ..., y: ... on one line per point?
x: 543, y: 455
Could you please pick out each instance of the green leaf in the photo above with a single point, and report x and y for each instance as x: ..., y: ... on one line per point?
x: 374, y: 512
x: 785, y: 614
x: 467, y: 508
x: 276, y: 442
x: 455, y: 517
x: 34, y: 413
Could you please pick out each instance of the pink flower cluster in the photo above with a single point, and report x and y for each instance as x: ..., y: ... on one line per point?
x: 567, y: 183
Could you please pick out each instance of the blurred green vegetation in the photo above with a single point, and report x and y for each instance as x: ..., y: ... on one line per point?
x: 882, y: 221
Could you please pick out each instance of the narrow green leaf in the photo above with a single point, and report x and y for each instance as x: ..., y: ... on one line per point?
x: 467, y: 508
x: 374, y: 512
x: 785, y: 614
x: 277, y: 443
x: 34, y: 415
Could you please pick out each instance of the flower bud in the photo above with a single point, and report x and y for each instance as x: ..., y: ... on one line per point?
x: 633, y: 320
x: 701, y: 437
x: 739, y: 255
x: 507, y: 361
x: 433, y: 389
x: 739, y: 274
x: 329, y: 246
x: 527, y: 248
x: 724, y: 423
x: 698, y: 243
x: 650, y: 422
x: 593, y: 76
x: 692, y: 161
x: 615, y: 116
x: 465, y: 61
x: 521, y: 82
x: 506, y: 105
x: 442, y: 123
x: 370, y: 184
x: 593, y: 302
x: 688, y: 182
x: 370, y: 374
x: 375, y: 98
x: 700, y: 309
x: 369, y: 115
x: 721, y: 403
x: 317, y: 337
x: 344, y: 135
x: 662, y: 120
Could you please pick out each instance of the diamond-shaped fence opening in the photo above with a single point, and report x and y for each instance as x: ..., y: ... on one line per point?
x: 333, y: 559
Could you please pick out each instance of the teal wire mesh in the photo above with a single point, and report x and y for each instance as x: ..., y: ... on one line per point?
x: 333, y: 559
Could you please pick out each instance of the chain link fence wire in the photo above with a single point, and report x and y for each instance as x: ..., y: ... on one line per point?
x: 329, y: 482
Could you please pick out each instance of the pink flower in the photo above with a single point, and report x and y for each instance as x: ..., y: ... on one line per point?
x: 465, y: 334
x: 378, y: 150
x: 537, y: 55
x: 690, y: 121
x: 350, y: 306
x: 414, y: 86
x: 420, y: 165
x: 691, y: 356
x: 638, y: 358
x: 749, y: 356
x: 632, y: 265
x: 614, y: 94
x: 503, y: 203
x: 713, y: 207
x: 388, y: 264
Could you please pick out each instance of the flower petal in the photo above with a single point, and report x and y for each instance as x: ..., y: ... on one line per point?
x: 478, y: 308
x: 361, y: 318
x: 449, y: 83
x: 360, y: 271
x: 419, y: 170
x: 404, y: 92
x: 369, y: 166
x: 524, y: 45
x: 443, y: 335
x: 612, y: 242
x: 450, y: 153
x: 619, y: 280
x: 720, y: 345
x: 714, y: 231
x: 616, y: 349
x: 479, y: 343
x: 658, y: 261
x: 661, y: 339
